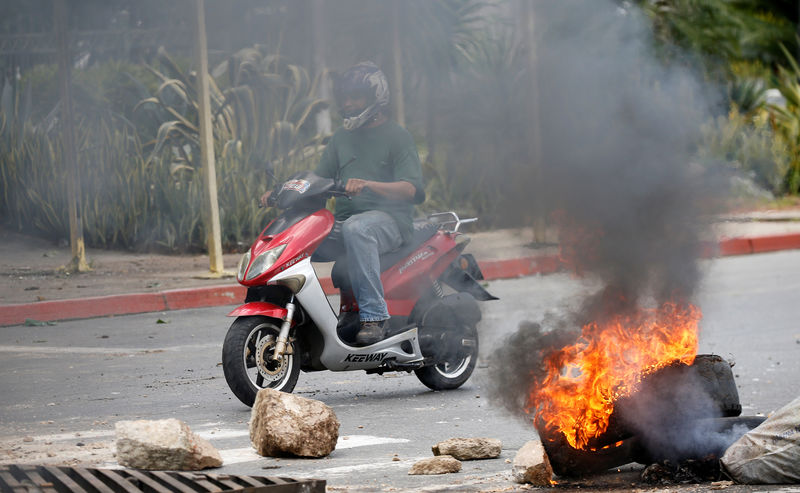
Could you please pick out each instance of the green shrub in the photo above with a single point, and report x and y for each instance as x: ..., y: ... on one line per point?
x: 140, y: 184
x: 786, y: 120
x: 749, y: 145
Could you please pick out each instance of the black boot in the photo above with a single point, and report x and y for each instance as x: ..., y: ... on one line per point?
x: 371, y: 332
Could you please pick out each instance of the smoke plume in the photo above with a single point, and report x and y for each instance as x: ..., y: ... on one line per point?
x: 617, y: 133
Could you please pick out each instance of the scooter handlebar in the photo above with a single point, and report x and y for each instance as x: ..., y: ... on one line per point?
x: 338, y: 190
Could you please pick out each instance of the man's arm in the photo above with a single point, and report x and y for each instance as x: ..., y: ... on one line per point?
x: 395, y: 190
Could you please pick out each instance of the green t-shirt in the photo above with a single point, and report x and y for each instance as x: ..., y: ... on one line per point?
x: 384, y: 153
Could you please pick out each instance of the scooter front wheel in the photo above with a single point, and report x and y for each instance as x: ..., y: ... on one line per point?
x: 247, y: 358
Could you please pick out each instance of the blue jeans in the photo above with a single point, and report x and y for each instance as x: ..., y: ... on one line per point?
x: 364, y: 238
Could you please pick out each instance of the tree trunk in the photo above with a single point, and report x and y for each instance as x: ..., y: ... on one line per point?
x: 77, y: 246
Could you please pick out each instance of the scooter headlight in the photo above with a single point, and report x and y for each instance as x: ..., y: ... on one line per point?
x: 243, y: 263
x: 264, y: 261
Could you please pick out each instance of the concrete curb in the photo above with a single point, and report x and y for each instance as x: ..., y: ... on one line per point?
x: 179, y: 299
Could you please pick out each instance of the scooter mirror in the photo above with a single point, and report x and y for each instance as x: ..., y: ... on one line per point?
x: 270, y: 170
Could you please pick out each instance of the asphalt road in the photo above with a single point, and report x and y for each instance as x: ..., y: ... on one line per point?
x: 63, y: 386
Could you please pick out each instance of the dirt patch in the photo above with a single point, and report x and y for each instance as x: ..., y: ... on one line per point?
x: 79, y: 453
x: 32, y: 270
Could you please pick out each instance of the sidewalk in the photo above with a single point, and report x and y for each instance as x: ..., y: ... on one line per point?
x: 124, y: 283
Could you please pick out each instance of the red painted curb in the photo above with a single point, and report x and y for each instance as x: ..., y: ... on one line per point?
x: 734, y: 246
x: 518, y: 267
x: 775, y: 243
x: 178, y: 299
x: 99, y: 306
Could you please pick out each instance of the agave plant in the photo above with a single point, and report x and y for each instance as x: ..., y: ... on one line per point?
x: 263, y: 113
x: 787, y: 119
x: 747, y: 143
x: 747, y: 94
x: 114, y: 180
x: 274, y: 103
x: 140, y: 188
x: 262, y: 110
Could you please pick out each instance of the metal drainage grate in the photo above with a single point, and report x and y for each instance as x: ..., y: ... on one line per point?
x: 51, y: 479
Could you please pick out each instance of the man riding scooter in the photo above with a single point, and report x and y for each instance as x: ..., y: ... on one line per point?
x: 377, y: 161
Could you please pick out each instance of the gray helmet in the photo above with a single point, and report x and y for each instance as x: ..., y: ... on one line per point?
x: 366, y: 80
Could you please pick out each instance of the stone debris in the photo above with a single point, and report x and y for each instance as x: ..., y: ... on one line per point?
x: 165, y: 444
x: 721, y: 485
x: 469, y: 448
x: 285, y: 424
x: 441, y: 464
x: 531, y: 465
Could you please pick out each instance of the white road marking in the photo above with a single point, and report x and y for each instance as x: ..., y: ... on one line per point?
x: 345, y: 470
x: 75, y: 435
x: 217, y: 433
x: 221, y: 434
x: 230, y: 456
x: 238, y: 455
x: 248, y: 454
x: 102, y: 350
x: 353, y: 441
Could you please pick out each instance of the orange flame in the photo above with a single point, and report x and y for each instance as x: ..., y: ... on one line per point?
x: 576, y: 398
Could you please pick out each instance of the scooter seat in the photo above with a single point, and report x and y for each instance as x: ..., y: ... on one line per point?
x: 422, y: 233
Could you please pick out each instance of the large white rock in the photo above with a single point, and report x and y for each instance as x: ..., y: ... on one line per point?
x: 469, y: 448
x: 165, y: 444
x: 441, y: 464
x: 285, y: 424
x: 531, y: 465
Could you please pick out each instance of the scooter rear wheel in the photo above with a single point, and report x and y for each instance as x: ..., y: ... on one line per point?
x: 247, y: 358
x: 455, y: 368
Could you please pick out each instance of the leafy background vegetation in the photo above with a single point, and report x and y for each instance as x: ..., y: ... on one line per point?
x: 465, y: 72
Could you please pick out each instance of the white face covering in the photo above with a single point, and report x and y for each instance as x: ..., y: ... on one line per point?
x: 354, y: 122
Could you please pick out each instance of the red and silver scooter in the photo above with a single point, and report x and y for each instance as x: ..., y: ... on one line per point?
x: 287, y: 324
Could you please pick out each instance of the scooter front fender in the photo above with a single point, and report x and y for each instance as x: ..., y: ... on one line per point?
x: 263, y: 308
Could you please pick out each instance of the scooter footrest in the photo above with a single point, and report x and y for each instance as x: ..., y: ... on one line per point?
x: 392, y: 365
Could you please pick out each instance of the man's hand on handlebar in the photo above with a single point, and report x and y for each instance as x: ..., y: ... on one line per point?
x: 355, y: 186
x: 264, y: 198
x: 397, y: 190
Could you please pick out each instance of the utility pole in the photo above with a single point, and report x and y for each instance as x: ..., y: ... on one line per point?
x: 318, y: 36
x: 534, y: 125
x: 78, y: 262
x: 211, y: 213
x: 397, y: 55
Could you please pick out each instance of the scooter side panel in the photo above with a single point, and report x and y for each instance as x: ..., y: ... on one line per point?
x: 401, y: 307
x: 313, y: 298
x: 340, y: 357
x: 259, y: 308
x: 336, y: 355
x: 409, y: 278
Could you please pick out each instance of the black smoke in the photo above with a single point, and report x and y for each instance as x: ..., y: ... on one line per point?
x: 618, y: 130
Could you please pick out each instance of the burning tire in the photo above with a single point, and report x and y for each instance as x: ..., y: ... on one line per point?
x: 680, y: 412
x: 247, y: 359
